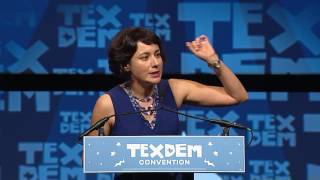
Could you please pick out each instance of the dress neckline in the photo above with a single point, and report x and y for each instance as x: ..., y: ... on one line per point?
x: 136, y: 107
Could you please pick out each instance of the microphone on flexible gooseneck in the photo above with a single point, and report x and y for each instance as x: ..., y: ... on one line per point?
x: 100, y: 123
x: 223, y: 123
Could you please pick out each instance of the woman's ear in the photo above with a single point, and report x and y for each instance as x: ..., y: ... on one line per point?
x: 126, y: 67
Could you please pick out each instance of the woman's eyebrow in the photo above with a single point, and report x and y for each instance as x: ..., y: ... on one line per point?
x: 143, y: 53
x: 147, y: 52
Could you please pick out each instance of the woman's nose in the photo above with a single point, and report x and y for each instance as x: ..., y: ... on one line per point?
x: 155, y: 61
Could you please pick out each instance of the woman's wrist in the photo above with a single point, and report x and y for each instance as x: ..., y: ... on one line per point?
x: 214, y: 61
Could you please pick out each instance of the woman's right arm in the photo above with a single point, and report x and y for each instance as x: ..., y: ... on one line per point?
x: 102, y: 108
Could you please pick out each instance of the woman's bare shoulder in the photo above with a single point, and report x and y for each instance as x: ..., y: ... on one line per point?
x: 104, y: 100
x: 103, y: 106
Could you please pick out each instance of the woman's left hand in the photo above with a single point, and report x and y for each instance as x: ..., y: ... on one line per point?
x: 202, y: 48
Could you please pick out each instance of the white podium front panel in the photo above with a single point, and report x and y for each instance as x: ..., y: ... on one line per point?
x: 164, y: 154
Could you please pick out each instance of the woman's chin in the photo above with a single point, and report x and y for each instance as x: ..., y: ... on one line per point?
x: 154, y: 80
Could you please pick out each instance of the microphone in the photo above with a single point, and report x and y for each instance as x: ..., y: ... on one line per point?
x: 221, y: 122
x: 95, y: 126
x: 103, y: 120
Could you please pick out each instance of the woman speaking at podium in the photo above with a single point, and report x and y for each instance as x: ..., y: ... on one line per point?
x: 136, y: 55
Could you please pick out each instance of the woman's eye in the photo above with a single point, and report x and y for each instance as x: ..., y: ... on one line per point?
x: 144, y: 57
x: 158, y: 55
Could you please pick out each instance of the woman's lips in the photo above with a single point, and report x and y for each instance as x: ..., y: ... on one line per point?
x: 155, y: 74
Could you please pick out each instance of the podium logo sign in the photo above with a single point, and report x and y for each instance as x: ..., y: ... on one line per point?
x: 164, y: 154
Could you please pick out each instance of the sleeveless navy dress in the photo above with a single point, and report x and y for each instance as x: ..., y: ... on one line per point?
x: 167, y: 123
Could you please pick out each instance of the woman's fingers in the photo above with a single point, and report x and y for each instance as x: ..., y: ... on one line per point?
x: 197, y: 44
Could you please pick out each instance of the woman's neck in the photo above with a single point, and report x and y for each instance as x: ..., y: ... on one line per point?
x: 141, y: 90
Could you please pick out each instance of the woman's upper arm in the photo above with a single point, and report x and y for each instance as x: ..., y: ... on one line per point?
x: 102, y: 108
x: 186, y: 91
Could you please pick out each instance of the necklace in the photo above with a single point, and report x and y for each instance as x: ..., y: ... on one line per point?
x: 136, y: 102
x: 145, y: 99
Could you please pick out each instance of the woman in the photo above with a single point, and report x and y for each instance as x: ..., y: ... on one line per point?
x: 136, y: 55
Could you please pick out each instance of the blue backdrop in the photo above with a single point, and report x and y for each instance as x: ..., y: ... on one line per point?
x: 39, y: 129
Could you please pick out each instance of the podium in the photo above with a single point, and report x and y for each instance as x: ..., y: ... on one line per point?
x: 113, y: 154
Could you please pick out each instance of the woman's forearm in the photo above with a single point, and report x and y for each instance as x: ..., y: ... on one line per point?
x: 229, y: 80
x: 231, y: 83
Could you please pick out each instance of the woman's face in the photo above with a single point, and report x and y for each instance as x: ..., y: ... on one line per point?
x: 146, y: 64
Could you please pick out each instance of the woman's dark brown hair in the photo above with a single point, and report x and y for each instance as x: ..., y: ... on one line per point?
x: 124, y: 45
